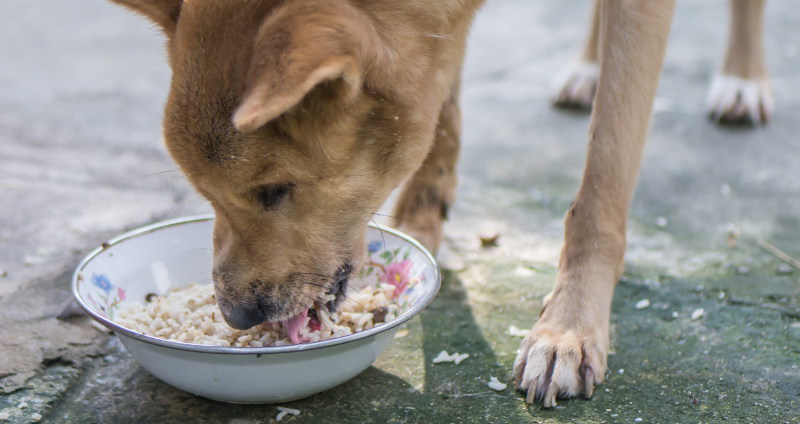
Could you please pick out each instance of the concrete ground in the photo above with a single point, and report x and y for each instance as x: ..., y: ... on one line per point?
x: 82, y: 85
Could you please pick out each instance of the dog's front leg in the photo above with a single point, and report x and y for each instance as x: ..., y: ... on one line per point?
x: 742, y: 91
x: 565, y: 352
x: 426, y: 197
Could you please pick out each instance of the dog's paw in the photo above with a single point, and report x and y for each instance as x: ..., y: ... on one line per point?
x: 577, y: 87
x: 737, y: 100
x: 560, y: 361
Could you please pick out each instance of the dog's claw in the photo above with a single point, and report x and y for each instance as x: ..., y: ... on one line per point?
x: 531, y: 395
x: 588, y: 382
x: 550, y: 396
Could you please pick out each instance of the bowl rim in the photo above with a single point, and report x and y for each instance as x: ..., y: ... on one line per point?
x: 350, y: 338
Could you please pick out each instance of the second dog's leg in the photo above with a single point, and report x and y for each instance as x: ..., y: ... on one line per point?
x: 742, y: 92
x: 577, y: 87
x: 426, y: 197
x: 565, y: 352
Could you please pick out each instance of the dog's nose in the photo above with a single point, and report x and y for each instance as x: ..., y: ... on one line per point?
x: 242, y: 317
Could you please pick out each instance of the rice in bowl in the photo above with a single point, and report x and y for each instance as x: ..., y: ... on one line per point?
x: 191, y: 315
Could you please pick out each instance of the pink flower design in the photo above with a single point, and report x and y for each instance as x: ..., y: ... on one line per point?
x: 121, y: 294
x: 397, y: 275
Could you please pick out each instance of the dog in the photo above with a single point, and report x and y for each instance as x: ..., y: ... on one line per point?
x: 297, y: 118
x: 740, y: 93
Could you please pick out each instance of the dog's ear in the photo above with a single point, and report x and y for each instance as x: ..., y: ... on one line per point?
x: 163, y: 13
x: 297, y: 50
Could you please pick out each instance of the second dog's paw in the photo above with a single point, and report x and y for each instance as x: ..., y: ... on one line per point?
x: 559, y: 363
x: 578, y: 86
x: 736, y: 100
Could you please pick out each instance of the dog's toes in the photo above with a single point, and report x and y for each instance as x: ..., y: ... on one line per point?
x: 733, y: 100
x: 578, y: 86
x: 552, y: 365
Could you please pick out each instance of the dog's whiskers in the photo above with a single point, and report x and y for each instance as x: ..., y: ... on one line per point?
x: 380, y: 230
x: 194, y: 250
x: 325, y: 286
x: 157, y: 173
x: 201, y: 272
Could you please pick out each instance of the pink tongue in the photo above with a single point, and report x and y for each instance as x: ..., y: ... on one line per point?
x: 293, y: 324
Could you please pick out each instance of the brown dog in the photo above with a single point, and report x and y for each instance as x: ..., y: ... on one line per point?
x: 740, y: 92
x: 296, y: 119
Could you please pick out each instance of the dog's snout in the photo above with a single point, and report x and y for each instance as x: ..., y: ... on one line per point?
x: 243, y: 317
x: 243, y: 306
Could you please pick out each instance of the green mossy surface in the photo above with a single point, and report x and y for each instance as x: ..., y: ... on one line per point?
x: 739, y: 362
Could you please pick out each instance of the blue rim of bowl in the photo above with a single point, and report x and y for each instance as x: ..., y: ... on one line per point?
x: 411, y: 313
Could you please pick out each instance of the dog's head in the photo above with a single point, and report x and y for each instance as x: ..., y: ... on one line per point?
x: 287, y: 117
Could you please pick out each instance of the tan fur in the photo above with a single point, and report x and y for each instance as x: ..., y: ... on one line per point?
x: 740, y: 93
x: 425, y: 199
x: 332, y: 104
x: 336, y: 103
x: 571, y: 337
x: 744, y: 57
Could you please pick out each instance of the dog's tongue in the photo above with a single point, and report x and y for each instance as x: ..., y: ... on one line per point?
x: 293, y: 324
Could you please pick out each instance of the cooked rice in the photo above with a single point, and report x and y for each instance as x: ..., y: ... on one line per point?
x: 191, y: 315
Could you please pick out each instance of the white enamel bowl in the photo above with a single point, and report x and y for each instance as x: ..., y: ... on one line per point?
x: 175, y: 253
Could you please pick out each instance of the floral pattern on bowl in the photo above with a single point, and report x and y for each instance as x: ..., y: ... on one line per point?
x: 392, y: 268
x: 107, y: 297
x: 382, y: 265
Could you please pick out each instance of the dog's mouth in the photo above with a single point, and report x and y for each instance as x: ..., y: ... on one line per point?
x: 321, y: 309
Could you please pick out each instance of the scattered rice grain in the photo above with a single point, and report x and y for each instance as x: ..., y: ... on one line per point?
x: 516, y: 332
x: 443, y: 357
x: 495, y: 384
x: 460, y: 358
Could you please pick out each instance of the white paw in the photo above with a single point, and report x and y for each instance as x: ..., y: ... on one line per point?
x: 738, y: 100
x: 577, y: 87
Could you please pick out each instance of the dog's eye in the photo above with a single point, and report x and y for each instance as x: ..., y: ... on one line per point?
x: 272, y: 196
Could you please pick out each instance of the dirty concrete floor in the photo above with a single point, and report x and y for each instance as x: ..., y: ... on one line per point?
x: 81, y: 90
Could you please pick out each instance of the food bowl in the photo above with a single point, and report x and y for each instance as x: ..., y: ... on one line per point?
x: 153, y: 259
